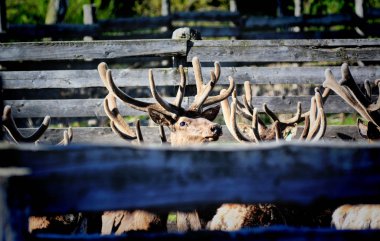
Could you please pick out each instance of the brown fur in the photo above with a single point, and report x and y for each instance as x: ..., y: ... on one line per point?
x: 119, y: 222
x: 357, y: 217
x: 232, y: 217
x: 62, y: 224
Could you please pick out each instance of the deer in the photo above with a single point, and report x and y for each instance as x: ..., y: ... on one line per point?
x: 193, y: 125
x: 360, y: 216
x: 234, y: 216
x: 67, y: 223
x: 258, y: 131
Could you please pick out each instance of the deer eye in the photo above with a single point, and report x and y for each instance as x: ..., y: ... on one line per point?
x: 182, y: 123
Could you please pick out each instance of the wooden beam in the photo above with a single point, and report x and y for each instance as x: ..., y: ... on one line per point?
x: 104, y: 135
x: 128, y: 77
x: 80, y: 50
x: 168, y: 178
x: 94, y: 107
x: 337, y: 50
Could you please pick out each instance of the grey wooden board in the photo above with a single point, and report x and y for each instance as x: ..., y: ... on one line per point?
x: 82, y: 50
x: 182, y: 178
x: 104, y: 135
x: 94, y: 107
x: 341, y: 50
x: 287, y: 21
x: 278, y: 233
x: 170, y: 76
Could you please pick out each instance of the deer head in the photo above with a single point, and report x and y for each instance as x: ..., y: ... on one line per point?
x: 360, y: 101
x: 188, y: 126
x: 315, y: 119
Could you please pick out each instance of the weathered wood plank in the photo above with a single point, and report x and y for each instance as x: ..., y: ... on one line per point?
x: 341, y: 50
x: 94, y: 107
x: 202, y: 174
x: 170, y: 76
x: 258, y: 234
x: 288, y: 21
x: 81, y: 50
x: 104, y: 135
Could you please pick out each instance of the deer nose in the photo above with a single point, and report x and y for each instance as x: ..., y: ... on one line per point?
x: 217, y: 130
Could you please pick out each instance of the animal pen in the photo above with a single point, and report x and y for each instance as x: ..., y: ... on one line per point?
x: 90, y: 127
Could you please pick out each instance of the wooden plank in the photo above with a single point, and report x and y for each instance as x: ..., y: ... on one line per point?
x: 81, y: 50
x: 257, y: 234
x: 341, y: 50
x: 337, y: 34
x: 134, y: 23
x: 206, y: 16
x: 195, y: 175
x: 94, y: 107
x: 289, y: 21
x: 104, y: 135
x: 170, y: 76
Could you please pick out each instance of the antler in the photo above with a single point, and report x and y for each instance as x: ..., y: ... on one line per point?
x: 350, y: 92
x: 202, y: 98
x: 260, y: 132
x: 10, y: 126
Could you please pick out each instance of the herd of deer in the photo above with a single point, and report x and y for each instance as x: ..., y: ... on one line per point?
x: 195, y: 125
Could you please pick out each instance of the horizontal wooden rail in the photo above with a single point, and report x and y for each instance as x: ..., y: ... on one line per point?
x: 104, y: 135
x: 80, y: 50
x: 257, y: 234
x: 340, y: 50
x: 94, y: 107
x: 170, y: 76
x: 181, y: 178
x: 289, y: 21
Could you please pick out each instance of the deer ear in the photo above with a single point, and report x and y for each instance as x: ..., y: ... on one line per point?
x: 160, y: 118
x: 211, y: 113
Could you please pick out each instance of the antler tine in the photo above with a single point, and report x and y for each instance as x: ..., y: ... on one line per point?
x: 375, y: 106
x: 348, y: 81
x: 306, y: 128
x: 248, y: 94
x: 277, y: 131
x: 10, y: 126
x: 234, y: 128
x: 255, y: 126
x: 67, y: 137
x: 117, y: 92
x: 167, y: 106
x: 322, y: 122
x: 368, y: 89
x: 290, y: 121
x: 215, y: 99
x: 118, y: 124
x: 181, y: 88
x: 230, y: 118
x: 313, y: 111
x: 202, y: 98
x: 162, y: 134
x: 347, y: 95
x: 197, y: 74
x: 139, y: 135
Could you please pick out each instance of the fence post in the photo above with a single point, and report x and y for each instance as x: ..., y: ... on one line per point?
x: 165, y: 11
x: 89, y: 17
x: 188, y: 34
x: 3, y: 17
x: 360, y: 13
x: 56, y: 11
x: 298, y: 10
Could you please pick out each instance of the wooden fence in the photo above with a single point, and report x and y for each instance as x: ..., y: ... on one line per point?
x: 60, y: 79
x: 212, y: 24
